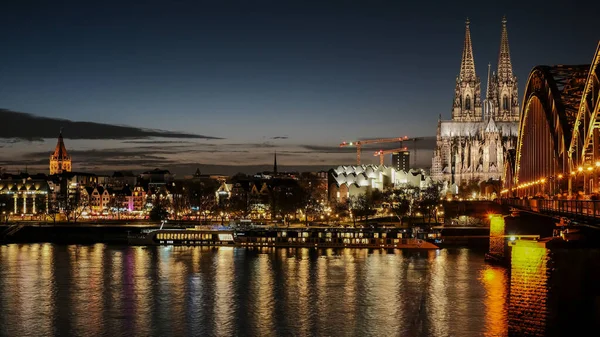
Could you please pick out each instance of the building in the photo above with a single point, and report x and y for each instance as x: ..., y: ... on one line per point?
x: 351, y: 181
x: 472, y: 145
x: 401, y: 161
x: 60, y: 161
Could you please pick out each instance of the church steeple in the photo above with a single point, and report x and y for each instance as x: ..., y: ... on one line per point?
x: 275, y: 163
x: 60, y: 161
x: 505, y: 72
x: 467, y: 64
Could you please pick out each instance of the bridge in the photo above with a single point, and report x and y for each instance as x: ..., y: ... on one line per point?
x: 557, y: 159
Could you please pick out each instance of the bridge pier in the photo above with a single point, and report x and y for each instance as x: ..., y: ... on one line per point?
x: 553, y: 288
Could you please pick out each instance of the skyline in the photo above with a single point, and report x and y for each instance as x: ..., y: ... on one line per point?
x: 296, y: 78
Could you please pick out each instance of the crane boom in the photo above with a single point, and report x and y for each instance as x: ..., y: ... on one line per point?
x: 382, y: 153
x: 360, y: 143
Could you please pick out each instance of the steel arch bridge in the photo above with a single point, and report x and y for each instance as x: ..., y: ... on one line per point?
x: 558, y: 149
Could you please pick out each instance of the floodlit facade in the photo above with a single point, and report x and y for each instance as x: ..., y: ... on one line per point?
x: 472, y: 145
x: 60, y: 161
x: 351, y: 181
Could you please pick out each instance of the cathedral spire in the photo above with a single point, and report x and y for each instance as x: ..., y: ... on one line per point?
x: 60, y: 151
x: 467, y: 64
x: 488, y: 89
x: 275, y: 163
x: 505, y: 73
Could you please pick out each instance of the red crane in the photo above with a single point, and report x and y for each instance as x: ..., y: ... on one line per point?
x: 360, y: 143
x: 382, y: 153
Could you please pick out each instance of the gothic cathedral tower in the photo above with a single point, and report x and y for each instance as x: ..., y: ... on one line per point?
x: 504, y: 94
x: 467, y: 95
x: 60, y: 161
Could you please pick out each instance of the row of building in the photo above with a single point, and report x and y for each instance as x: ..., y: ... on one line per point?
x: 126, y: 192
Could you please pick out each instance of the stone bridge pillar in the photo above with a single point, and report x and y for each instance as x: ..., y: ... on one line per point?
x: 553, y: 289
x: 497, y: 251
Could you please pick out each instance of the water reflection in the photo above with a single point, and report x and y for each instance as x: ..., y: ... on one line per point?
x: 495, y: 281
x: 153, y: 291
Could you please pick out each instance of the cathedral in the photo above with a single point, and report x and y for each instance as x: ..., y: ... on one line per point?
x: 60, y: 161
x: 471, y: 146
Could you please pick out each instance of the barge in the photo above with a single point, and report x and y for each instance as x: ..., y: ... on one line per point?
x: 284, y: 237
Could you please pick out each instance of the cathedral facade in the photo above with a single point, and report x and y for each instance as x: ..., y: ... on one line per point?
x: 60, y: 161
x: 471, y: 146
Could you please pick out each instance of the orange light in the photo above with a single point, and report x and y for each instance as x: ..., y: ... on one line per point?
x: 580, y: 169
x: 598, y: 164
x: 560, y: 176
x: 543, y: 180
x: 590, y: 168
x: 572, y: 173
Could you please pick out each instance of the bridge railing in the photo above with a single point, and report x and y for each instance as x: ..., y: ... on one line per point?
x: 584, y: 209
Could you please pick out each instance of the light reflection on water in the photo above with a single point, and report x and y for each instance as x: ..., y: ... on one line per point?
x: 153, y: 291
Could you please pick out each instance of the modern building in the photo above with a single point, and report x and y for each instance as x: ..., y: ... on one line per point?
x: 472, y: 145
x: 401, y: 161
x: 60, y: 161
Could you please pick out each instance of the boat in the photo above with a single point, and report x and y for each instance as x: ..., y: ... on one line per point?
x: 284, y: 237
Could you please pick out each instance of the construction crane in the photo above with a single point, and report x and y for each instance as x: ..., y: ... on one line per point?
x: 360, y: 143
x: 382, y: 153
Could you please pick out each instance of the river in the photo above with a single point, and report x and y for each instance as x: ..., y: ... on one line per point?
x: 103, y: 290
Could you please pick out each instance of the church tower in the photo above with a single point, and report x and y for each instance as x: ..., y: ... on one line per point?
x: 60, y: 161
x: 467, y: 95
x: 506, y: 96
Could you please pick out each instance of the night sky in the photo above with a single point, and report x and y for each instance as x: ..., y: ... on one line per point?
x: 296, y: 77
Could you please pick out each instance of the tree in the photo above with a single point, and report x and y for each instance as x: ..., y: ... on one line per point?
x: 430, y: 199
x: 73, y: 204
x: 239, y: 205
x: 180, y: 204
x: 364, y: 207
x: 400, y: 201
x: 467, y: 188
x: 159, y: 210
x: 116, y: 203
x: 285, y: 201
x: 5, y: 209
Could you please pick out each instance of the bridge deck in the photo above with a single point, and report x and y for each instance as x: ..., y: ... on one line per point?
x: 587, y: 211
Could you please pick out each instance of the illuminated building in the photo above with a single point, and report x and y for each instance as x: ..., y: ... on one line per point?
x: 60, y: 161
x: 351, y: 181
x: 473, y: 144
x: 401, y: 161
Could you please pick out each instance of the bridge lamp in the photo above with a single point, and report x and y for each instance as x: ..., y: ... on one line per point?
x: 580, y: 169
x: 543, y: 180
x: 572, y: 173
x: 560, y: 176
x: 590, y: 168
x: 598, y: 164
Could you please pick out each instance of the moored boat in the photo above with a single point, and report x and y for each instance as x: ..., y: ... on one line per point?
x: 285, y: 237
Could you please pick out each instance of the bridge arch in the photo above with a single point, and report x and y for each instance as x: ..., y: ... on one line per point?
x: 559, y: 133
x: 584, y: 149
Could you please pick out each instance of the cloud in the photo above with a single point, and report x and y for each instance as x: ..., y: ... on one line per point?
x: 161, y: 142
x: 423, y: 143
x: 20, y: 125
x: 280, y: 137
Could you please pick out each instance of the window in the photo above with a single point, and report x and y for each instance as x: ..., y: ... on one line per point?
x: 505, y: 102
x: 468, y: 103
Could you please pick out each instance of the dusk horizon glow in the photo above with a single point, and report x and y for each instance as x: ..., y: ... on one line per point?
x: 294, y: 77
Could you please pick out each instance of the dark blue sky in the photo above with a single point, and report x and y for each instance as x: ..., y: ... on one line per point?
x: 317, y: 72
